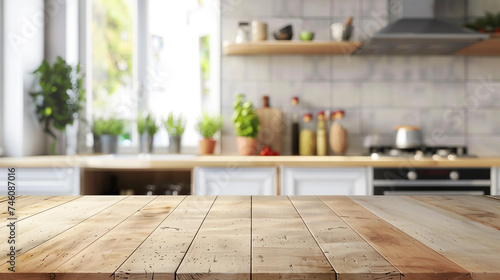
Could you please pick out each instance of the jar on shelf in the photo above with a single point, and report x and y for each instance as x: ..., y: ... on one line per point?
x: 295, y: 126
x: 243, y: 33
x: 321, y: 144
x: 307, y: 139
x: 338, y: 133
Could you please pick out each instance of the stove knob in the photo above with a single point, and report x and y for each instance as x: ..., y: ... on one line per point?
x: 412, y: 175
x: 454, y: 175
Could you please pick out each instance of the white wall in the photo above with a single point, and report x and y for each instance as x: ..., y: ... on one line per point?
x: 23, y: 52
x: 1, y: 77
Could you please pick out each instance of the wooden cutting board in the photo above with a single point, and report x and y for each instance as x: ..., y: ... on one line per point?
x: 270, y: 126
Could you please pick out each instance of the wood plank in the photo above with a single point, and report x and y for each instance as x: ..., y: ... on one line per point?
x: 221, y: 249
x: 102, y: 258
x: 290, y: 47
x: 469, y: 244
x: 282, y: 246
x: 477, y: 208
x: 39, y: 228
x: 162, y: 252
x: 486, y: 47
x: 413, y: 259
x: 46, y: 257
x: 27, y: 206
x: 350, y: 255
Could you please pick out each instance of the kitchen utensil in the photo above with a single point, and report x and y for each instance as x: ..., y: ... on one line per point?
x: 341, y: 31
x: 408, y: 136
x: 270, y: 126
x: 306, y: 35
x: 259, y: 31
x: 285, y: 33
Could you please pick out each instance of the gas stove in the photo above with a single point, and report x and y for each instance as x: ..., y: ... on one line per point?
x: 434, y: 152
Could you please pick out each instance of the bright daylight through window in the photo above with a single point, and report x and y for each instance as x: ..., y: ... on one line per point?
x: 179, y: 63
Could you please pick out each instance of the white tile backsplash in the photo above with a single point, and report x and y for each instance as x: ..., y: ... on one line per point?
x: 454, y: 99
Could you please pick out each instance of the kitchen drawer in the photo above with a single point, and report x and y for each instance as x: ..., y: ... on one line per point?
x: 235, y: 181
x: 44, y: 181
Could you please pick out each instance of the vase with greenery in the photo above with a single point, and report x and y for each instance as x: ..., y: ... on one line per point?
x: 175, y: 127
x: 151, y: 129
x: 147, y: 129
x: 207, y: 126
x: 490, y: 23
x: 106, y: 132
x: 246, y: 125
x: 143, y: 137
x: 59, y: 99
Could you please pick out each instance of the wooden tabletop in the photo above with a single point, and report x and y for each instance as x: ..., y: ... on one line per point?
x: 259, y: 237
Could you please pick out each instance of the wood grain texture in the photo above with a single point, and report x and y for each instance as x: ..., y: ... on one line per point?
x: 162, y: 252
x: 480, y: 209
x: 102, y: 258
x: 282, y: 246
x: 44, y: 226
x: 27, y: 206
x: 349, y: 254
x: 221, y: 249
x: 469, y: 244
x: 486, y: 47
x: 289, y: 47
x: 412, y: 258
x: 48, y: 256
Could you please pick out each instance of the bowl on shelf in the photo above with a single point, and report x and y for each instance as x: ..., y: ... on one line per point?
x: 285, y: 33
x: 306, y: 35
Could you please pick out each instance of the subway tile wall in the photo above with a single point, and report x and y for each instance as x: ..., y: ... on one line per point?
x: 455, y: 100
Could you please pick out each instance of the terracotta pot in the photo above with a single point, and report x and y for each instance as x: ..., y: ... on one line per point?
x: 207, y: 146
x: 246, y: 145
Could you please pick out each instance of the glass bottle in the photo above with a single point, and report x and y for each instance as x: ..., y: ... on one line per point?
x: 243, y: 33
x: 321, y: 144
x: 338, y: 133
x: 307, y: 139
x: 295, y: 126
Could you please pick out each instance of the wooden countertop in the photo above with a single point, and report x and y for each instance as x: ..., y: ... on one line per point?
x: 188, y: 162
x: 273, y: 237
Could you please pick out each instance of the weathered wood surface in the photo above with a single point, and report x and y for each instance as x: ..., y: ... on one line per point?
x: 207, y: 237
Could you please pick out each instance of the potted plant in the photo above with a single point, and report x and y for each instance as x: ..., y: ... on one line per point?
x: 246, y: 125
x: 106, y: 133
x: 207, y: 126
x: 147, y: 129
x: 175, y: 127
x: 490, y: 23
x: 59, y: 100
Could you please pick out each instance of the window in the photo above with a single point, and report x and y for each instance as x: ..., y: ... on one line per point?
x: 170, y: 64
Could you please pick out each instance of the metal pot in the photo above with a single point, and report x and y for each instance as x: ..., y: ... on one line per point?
x: 408, y: 137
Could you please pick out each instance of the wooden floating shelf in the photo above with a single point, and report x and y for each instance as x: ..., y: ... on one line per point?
x: 486, y: 47
x: 291, y: 47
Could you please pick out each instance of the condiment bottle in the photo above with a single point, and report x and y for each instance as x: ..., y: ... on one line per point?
x: 338, y: 133
x: 307, y: 139
x: 321, y: 144
x: 295, y: 126
x: 243, y: 33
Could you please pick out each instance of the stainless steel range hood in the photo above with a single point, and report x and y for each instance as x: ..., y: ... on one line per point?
x: 419, y: 33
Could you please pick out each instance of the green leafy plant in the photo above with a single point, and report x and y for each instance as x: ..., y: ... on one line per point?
x: 141, y: 126
x: 245, y: 119
x: 151, y: 125
x: 207, y: 126
x: 175, y: 125
x: 111, y: 126
x: 489, y: 23
x: 60, y: 97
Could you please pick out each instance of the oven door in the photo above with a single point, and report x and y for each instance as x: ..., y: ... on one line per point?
x: 469, y: 187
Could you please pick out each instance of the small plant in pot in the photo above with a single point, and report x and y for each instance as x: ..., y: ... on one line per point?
x: 106, y: 132
x: 246, y: 126
x: 207, y: 126
x: 59, y: 100
x: 175, y: 127
x: 147, y: 129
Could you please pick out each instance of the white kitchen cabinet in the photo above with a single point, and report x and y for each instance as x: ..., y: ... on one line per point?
x: 43, y: 181
x: 325, y: 181
x: 234, y: 181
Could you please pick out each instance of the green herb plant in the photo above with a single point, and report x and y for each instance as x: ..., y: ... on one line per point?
x: 141, y: 126
x: 60, y: 97
x: 151, y: 125
x: 111, y: 126
x: 245, y: 119
x: 489, y: 23
x: 175, y: 125
x: 207, y: 126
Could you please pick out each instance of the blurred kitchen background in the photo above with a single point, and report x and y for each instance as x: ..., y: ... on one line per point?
x: 166, y: 56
